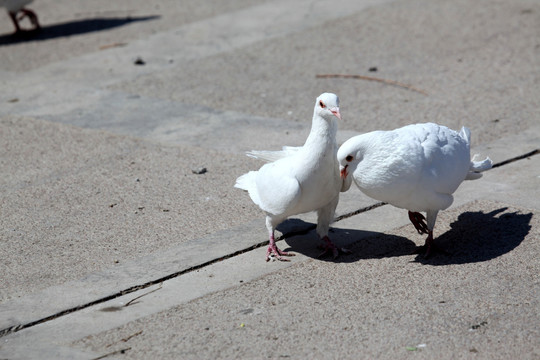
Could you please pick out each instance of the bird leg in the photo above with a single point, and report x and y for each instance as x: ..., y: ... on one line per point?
x: 31, y: 16
x: 423, y: 227
x: 430, y: 247
x: 329, y: 246
x: 419, y: 222
x: 274, y: 251
x: 13, y: 17
x: 16, y: 17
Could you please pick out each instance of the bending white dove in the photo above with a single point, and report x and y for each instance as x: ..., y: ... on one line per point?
x: 300, y: 179
x: 416, y: 167
x: 17, y: 11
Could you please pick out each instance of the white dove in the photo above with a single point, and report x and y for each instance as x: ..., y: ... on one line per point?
x: 300, y: 179
x: 416, y: 167
x: 17, y: 11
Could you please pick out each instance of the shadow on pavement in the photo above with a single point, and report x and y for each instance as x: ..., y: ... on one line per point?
x: 478, y: 236
x: 77, y: 27
x: 474, y: 237
x: 362, y: 244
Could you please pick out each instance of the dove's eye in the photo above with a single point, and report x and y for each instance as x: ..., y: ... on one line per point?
x: 349, y: 158
x: 322, y: 104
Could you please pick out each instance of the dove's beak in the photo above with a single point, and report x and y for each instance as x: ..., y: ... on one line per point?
x: 343, y: 173
x: 335, y: 111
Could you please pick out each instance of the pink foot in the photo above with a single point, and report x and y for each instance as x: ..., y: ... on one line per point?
x: 419, y: 222
x: 329, y: 246
x: 20, y: 15
x: 30, y: 15
x: 274, y: 252
x: 429, y: 247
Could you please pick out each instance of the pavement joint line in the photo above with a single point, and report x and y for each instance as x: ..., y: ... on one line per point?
x: 16, y: 328
x: 520, y: 157
x: 359, y: 211
x: 134, y: 288
x: 129, y: 290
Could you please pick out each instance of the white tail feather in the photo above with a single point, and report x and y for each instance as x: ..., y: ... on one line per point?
x: 247, y: 182
x: 475, y: 171
x: 465, y: 133
x: 271, y: 156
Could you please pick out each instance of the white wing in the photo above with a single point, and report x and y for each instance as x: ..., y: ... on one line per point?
x: 271, y: 156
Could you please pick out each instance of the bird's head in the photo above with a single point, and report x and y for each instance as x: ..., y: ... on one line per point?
x: 349, y: 155
x: 343, y: 168
x: 347, y: 166
x: 327, y: 106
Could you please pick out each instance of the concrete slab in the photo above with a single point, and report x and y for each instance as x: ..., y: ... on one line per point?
x: 75, y: 201
x: 437, y: 302
x: 379, y: 303
x: 75, y: 28
x: 85, y: 80
x: 465, y: 79
x: 368, y: 234
x: 239, y: 75
x: 87, y: 214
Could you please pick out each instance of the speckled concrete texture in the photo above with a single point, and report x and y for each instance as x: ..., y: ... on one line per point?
x: 76, y: 201
x: 114, y: 243
x: 465, y: 57
x: 379, y: 302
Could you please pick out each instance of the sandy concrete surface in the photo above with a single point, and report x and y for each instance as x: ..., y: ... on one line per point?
x: 114, y: 246
x: 378, y: 302
x: 74, y: 28
x: 85, y: 200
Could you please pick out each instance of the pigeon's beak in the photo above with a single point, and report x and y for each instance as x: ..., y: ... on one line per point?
x: 335, y: 111
x: 343, y: 173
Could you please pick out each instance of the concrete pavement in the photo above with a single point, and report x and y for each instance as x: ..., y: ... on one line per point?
x: 112, y: 245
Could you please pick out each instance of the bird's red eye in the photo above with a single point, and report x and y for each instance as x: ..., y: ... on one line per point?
x: 349, y: 158
x: 322, y: 104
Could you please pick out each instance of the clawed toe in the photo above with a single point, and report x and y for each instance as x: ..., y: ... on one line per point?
x: 345, y: 250
x: 273, y: 253
x: 334, y: 250
x: 276, y: 257
x: 419, y: 222
x: 330, y: 247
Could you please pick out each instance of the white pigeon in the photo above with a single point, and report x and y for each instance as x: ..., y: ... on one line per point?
x: 300, y: 179
x: 416, y: 167
x: 17, y: 11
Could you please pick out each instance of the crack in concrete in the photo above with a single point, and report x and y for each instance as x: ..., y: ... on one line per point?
x: 132, y: 289
x: 520, y: 157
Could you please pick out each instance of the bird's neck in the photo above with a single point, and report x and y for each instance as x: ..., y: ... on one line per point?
x: 323, y: 132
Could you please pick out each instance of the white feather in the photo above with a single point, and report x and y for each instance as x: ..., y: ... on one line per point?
x: 416, y: 167
x: 300, y: 179
x: 269, y: 155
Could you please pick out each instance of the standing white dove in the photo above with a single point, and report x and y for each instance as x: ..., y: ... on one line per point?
x: 17, y: 11
x: 417, y: 167
x: 300, y: 179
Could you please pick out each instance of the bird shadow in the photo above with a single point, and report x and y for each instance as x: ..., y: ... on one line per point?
x: 477, y: 236
x: 76, y: 27
x: 473, y: 237
x: 361, y: 244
